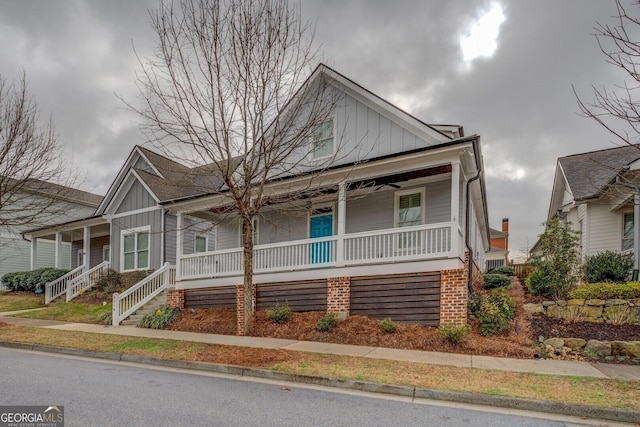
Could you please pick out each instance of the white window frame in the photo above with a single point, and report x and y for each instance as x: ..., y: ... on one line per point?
x: 396, y: 208
x: 315, y: 207
x: 134, y: 231
x: 106, y: 248
x: 195, y: 243
x: 80, y: 257
x: 256, y: 232
x: 333, y: 136
x: 622, y: 239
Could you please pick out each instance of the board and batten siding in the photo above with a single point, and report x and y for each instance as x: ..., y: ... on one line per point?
x: 153, y: 219
x: 136, y: 198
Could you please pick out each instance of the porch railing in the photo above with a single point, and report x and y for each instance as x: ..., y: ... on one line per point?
x: 392, y: 245
x: 126, y: 303
x: 58, y: 287
x: 86, y: 280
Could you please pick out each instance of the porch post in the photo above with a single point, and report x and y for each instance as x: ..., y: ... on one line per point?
x: 179, y: 244
x: 58, y: 250
x: 87, y: 248
x: 342, y: 216
x: 34, y: 253
x: 455, y: 207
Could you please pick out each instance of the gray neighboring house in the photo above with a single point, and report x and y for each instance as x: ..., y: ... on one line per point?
x: 59, y: 203
x: 594, y: 191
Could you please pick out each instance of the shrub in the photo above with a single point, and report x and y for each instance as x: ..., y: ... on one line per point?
x: 159, y: 319
x: 279, y: 313
x: 109, y: 282
x: 493, y: 311
x: 505, y: 269
x: 388, y: 325
x: 496, y: 280
x: 628, y: 290
x: 106, y: 318
x: 608, y: 266
x: 31, y: 280
x: 539, y: 283
x: 452, y: 333
x: 327, y: 322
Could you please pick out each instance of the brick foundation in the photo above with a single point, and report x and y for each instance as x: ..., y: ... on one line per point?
x: 338, y: 295
x: 240, y: 319
x: 175, y: 298
x: 454, y: 295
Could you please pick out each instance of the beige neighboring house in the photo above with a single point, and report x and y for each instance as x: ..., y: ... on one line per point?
x: 59, y: 203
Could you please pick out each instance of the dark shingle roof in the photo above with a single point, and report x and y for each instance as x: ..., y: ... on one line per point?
x: 61, y: 192
x: 588, y: 173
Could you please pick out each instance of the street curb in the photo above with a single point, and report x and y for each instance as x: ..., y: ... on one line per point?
x: 560, y: 408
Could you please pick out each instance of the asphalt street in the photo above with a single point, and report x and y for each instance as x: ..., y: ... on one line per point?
x: 98, y: 393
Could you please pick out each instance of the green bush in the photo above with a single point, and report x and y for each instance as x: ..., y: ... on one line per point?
x: 505, y: 269
x: 31, y: 280
x: 388, y: 325
x: 452, y: 333
x: 279, y: 313
x: 106, y: 318
x: 539, y: 283
x: 496, y: 280
x: 159, y: 319
x: 628, y: 290
x: 493, y: 311
x: 327, y: 322
x: 608, y: 266
x: 109, y: 282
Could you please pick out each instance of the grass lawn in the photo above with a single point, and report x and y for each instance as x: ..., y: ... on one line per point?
x: 591, y: 391
x: 71, y: 312
x: 14, y: 301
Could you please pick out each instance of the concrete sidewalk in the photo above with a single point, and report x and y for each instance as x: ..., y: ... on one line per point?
x: 540, y: 366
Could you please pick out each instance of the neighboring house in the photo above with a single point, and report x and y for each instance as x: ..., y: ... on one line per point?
x: 594, y: 191
x: 384, y: 233
x: 498, y: 255
x: 51, y: 203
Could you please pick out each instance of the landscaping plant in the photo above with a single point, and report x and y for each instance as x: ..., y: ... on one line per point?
x: 496, y: 280
x: 493, y: 311
x: 452, y: 333
x: 630, y: 290
x: 388, y: 325
x: 327, y: 322
x: 280, y: 313
x: 159, y: 319
x: 29, y: 281
x: 608, y: 266
x: 505, y: 269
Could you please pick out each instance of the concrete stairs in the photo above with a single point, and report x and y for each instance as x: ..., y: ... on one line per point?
x: 148, y: 308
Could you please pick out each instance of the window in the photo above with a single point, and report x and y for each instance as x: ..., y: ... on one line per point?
x: 135, y: 249
x: 627, y: 231
x: 323, y: 141
x: 106, y: 253
x: 409, y: 210
x: 256, y: 234
x: 200, y: 244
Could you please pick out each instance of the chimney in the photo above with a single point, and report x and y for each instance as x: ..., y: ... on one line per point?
x: 505, y: 225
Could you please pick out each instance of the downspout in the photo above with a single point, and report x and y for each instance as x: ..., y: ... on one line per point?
x: 468, y: 217
x: 636, y: 224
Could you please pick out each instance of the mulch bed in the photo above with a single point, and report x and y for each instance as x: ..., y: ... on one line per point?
x: 549, y: 327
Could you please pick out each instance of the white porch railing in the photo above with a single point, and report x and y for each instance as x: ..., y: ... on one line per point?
x: 420, y: 242
x: 126, y: 303
x: 58, y: 287
x: 86, y: 280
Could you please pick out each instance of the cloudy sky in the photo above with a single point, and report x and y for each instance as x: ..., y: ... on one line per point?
x: 418, y: 54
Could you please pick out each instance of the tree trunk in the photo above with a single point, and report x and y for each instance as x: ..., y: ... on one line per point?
x: 249, y: 309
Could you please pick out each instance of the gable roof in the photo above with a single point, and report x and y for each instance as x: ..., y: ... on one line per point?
x: 57, y: 191
x: 587, y: 174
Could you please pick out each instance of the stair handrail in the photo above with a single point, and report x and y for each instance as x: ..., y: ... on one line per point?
x: 58, y: 287
x: 129, y: 301
x: 86, y: 280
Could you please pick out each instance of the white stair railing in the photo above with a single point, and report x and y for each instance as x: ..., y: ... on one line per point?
x: 86, y: 280
x: 58, y: 287
x: 128, y: 302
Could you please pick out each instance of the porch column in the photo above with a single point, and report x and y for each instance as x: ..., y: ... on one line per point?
x: 455, y: 207
x: 179, y: 244
x: 342, y: 221
x: 58, y: 250
x: 86, y: 249
x: 34, y: 253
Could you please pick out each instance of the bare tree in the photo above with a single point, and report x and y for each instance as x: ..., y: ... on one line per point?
x: 33, y: 176
x: 225, y: 87
x: 617, y: 109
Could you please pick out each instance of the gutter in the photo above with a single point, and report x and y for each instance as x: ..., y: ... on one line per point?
x: 468, y: 216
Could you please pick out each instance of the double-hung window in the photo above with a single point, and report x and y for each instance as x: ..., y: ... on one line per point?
x: 323, y: 139
x: 135, y: 249
x: 409, y: 212
x: 200, y: 244
x: 627, y: 231
x: 256, y: 233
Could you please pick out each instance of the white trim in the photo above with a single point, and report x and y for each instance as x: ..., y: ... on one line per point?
x: 315, y: 206
x: 256, y: 232
x: 123, y: 189
x: 80, y: 258
x: 134, y: 231
x: 135, y: 212
x: 106, y: 248
x: 149, y: 162
x: 333, y: 136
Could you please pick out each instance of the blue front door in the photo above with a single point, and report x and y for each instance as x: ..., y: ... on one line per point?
x: 321, y: 226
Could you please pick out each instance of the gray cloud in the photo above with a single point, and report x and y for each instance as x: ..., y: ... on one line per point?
x: 78, y: 54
